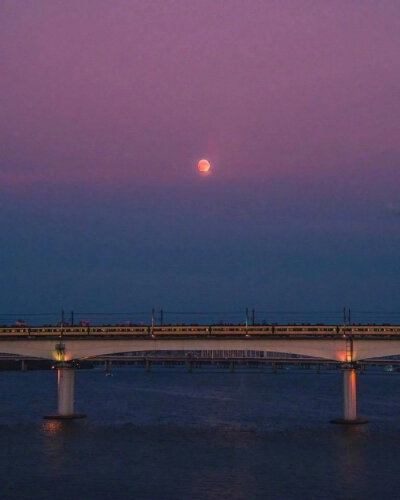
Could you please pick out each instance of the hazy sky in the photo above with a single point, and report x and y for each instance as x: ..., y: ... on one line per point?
x: 106, y: 108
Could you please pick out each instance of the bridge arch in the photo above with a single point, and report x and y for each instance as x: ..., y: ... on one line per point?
x: 366, y: 349
x: 336, y: 349
x: 332, y: 349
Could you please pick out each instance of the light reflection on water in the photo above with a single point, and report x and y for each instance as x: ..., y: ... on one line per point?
x: 206, y: 435
x: 52, y: 427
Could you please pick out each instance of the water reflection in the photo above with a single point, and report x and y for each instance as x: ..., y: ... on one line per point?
x: 349, y: 452
x: 52, y: 426
x: 207, y: 436
x: 56, y: 440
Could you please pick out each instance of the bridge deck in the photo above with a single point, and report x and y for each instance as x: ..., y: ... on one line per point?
x: 340, y: 343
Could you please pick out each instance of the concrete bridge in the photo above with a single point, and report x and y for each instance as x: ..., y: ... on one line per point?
x: 345, y: 344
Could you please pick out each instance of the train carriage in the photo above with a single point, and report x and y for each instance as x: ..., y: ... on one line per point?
x: 200, y: 330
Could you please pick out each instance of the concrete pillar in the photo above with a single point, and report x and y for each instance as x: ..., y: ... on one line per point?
x: 232, y: 367
x: 66, y: 386
x: 23, y: 365
x: 349, y: 377
x: 148, y: 365
x: 189, y: 365
x: 349, y: 394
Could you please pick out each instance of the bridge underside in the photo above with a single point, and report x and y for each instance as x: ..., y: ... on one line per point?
x: 330, y: 349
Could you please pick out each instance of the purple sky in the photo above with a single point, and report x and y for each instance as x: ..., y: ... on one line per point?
x: 108, y: 106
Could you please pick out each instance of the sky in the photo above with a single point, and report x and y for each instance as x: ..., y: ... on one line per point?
x: 107, y: 108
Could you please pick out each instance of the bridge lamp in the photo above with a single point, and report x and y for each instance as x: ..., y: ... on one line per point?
x: 59, y: 352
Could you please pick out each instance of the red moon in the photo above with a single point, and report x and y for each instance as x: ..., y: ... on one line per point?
x: 203, y: 166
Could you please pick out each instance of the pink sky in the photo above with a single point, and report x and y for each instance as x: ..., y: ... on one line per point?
x: 107, y: 106
x: 139, y: 91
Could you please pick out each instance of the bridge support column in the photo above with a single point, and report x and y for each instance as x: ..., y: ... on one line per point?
x: 107, y: 365
x: 66, y: 386
x: 232, y: 367
x: 349, y: 398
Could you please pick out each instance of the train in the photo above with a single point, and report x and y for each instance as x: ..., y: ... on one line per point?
x: 146, y: 331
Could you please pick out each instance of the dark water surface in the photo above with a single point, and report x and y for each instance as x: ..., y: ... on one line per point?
x: 206, y: 435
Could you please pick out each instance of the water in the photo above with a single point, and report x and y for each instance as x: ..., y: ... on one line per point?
x: 206, y: 435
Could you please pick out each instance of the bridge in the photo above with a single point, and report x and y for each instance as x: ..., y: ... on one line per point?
x: 347, y: 345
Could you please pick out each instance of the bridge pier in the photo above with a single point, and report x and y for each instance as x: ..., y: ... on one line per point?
x: 66, y: 386
x: 349, y: 398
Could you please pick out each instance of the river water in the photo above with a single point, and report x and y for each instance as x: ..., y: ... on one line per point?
x: 209, y: 434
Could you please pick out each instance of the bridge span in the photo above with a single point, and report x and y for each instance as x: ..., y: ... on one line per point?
x: 63, y: 344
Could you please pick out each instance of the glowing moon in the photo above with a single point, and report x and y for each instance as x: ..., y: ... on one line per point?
x: 203, y: 166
